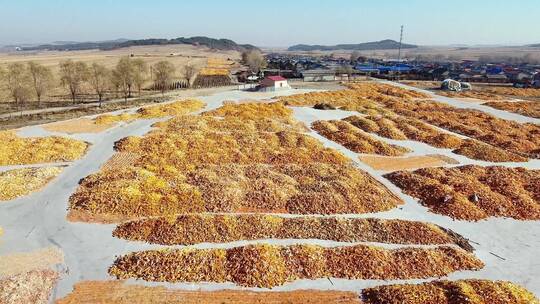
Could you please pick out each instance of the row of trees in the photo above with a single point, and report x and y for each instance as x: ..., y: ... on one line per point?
x: 24, y: 80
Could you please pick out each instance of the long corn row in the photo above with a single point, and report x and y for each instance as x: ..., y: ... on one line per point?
x: 356, y: 140
x: 403, y: 128
x: 192, y: 229
x: 269, y: 266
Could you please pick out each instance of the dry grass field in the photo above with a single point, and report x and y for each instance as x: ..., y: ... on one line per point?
x: 178, y: 55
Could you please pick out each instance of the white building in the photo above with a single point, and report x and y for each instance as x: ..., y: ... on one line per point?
x: 274, y: 83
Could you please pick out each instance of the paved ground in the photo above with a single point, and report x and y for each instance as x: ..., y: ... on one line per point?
x: 508, y: 247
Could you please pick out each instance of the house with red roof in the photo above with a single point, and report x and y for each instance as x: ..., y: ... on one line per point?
x: 274, y: 83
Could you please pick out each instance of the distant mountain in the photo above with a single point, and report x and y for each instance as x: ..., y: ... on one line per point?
x: 217, y: 44
x: 534, y: 45
x: 367, y: 46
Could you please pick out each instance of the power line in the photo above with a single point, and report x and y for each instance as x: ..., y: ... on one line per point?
x: 399, y: 53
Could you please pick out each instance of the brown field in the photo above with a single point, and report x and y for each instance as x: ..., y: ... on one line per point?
x: 448, y: 292
x: 269, y: 266
x: 355, y: 139
x: 116, y: 292
x: 194, y: 229
x: 432, y: 52
x: 385, y: 163
x: 473, y: 192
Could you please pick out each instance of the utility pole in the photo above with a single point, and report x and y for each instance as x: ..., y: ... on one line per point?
x: 399, y: 52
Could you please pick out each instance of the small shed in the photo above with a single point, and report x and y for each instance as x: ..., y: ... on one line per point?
x: 274, y: 83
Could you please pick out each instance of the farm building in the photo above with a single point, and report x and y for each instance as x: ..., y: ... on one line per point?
x: 319, y: 75
x: 274, y: 83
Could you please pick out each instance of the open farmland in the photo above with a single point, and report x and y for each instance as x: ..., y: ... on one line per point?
x: 199, y: 200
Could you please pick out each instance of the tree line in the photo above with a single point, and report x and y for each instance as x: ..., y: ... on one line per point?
x: 33, y: 80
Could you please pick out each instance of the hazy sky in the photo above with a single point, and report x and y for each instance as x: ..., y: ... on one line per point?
x: 274, y: 22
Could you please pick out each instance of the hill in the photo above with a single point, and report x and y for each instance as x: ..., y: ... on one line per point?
x: 366, y: 46
x: 217, y: 44
x: 535, y: 45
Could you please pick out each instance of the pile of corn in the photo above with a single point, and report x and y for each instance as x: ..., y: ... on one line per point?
x: 238, y: 158
x: 16, y: 150
x: 355, y: 139
x: 192, y: 229
x: 19, y: 182
x: 474, y: 192
x: 178, y: 108
x: 447, y: 292
x: 269, y: 266
x: 311, y: 188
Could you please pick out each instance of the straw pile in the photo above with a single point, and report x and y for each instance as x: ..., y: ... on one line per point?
x: 448, y: 292
x: 192, y: 229
x: 16, y: 150
x: 474, y: 192
x: 19, y: 182
x: 32, y: 287
x: 526, y: 108
x: 269, y: 266
x: 118, y: 292
x: 355, y: 139
x: 405, y: 128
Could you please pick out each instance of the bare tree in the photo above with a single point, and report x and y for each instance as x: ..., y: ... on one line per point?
x: 140, y: 70
x: 189, y: 72
x: 17, y: 80
x: 254, y: 60
x: 73, y: 75
x: 99, y: 80
x: 42, y: 79
x: 124, y: 76
x: 345, y: 70
x: 163, y: 75
x: 354, y: 56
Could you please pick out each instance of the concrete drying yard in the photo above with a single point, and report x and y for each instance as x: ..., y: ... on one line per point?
x: 268, y: 203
